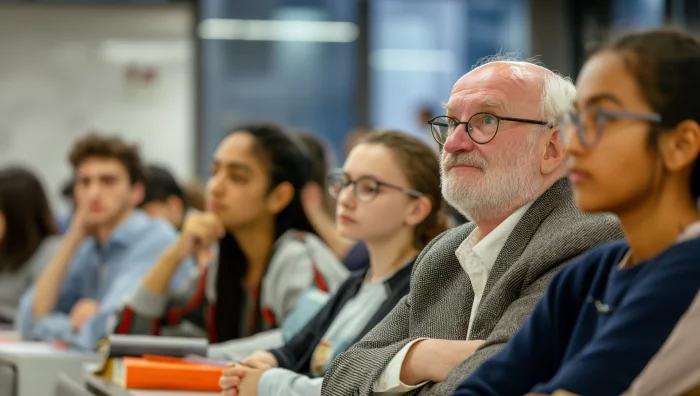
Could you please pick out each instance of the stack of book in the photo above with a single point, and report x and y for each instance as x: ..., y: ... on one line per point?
x: 166, y: 363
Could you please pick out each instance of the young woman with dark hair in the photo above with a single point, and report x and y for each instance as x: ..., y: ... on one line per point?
x: 266, y: 256
x: 28, y: 237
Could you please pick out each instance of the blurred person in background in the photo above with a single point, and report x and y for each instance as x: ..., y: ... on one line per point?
x: 108, y: 247
x: 388, y: 196
x: 322, y: 160
x: 318, y: 207
x: 63, y: 216
x: 28, y: 236
x: 266, y: 252
x: 163, y: 196
x: 425, y: 114
x: 194, y: 195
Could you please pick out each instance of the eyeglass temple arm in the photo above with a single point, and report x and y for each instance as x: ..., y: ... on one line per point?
x: 651, y: 117
x: 537, y: 122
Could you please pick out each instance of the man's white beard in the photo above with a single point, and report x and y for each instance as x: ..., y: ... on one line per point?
x: 500, y: 191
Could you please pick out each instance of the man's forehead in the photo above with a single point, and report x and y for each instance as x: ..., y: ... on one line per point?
x: 101, y: 167
x: 459, y: 102
x: 496, y: 73
x: 495, y: 85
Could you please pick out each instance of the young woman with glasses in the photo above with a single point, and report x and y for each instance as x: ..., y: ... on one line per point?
x: 388, y: 196
x: 633, y: 140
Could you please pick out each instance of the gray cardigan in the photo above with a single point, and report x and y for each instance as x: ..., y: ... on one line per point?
x: 13, y: 285
x: 552, y: 232
x: 293, y: 268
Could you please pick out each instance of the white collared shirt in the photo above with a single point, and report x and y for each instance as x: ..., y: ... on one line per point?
x: 477, y: 256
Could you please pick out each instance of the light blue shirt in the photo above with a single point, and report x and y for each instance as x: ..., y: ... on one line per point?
x: 103, y: 273
x: 344, y: 329
x: 279, y: 381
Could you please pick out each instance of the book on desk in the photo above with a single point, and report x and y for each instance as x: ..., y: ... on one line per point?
x: 166, y: 363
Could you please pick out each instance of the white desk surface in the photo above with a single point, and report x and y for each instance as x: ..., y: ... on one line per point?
x: 9, y: 335
x: 38, y: 365
x: 16, y: 350
x: 170, y: 393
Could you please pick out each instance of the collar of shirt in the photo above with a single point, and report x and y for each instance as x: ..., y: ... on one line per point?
x: 127, y: 232
x: 488, y: 248
x: 394, y: 280
x: 690, y: 232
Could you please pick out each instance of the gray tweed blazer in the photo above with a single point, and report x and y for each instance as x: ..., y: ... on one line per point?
x: 552, y: 233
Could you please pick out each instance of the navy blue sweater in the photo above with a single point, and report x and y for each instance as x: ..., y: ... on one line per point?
x: 596, y: 327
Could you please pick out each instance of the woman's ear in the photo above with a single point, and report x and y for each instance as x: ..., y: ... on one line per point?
x: 280, y: 197
x: 419, y: 210
x: 680, y: 147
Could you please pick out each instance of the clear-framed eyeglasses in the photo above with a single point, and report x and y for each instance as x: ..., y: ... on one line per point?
x: 365, y: 188
x: 481, y: 127
x: 587, y: 125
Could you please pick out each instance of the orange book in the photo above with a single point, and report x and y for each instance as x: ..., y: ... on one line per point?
x: 165, y: 373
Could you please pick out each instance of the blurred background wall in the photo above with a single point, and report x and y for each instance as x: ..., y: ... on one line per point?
x: 68, y: 69
x: 176, y: 76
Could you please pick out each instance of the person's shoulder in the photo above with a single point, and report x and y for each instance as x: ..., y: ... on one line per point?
x: 152, y: 237
x: 42, y: 255
x: 298, y: 242
x: 567, y: 232
x: 567, y: 220
x: 50, y: 245
x: 440, y: 254
x: 160, y: 229
x: 449, y: 240
x: 559, y: 216
x: 598, y: 260
x: 686, y: 250
x: 354, y: 279
x: 292, y: 237
x: 682, y: 258
x: 290, y: 252
x: 291, y: 243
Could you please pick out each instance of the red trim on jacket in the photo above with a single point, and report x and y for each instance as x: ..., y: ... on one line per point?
x: 210, y: 316
x: 319, y: 279
x: 175, y: 315
x: 125, y: 324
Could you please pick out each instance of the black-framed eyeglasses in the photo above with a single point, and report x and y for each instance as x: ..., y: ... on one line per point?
x: 588, y: 123
x: 481, y: 127
x: 365, y: 188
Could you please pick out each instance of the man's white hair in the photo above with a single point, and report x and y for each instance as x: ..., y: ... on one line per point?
x: 558, y: 92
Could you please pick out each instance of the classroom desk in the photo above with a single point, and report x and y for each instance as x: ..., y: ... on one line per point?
x: 8, y: 335
x: 31, y: 368
x: 101, y: 387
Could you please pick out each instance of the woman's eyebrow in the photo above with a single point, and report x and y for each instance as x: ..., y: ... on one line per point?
x: 602, y: 97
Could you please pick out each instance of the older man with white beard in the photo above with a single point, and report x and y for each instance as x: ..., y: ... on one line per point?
x: 473, y: 287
